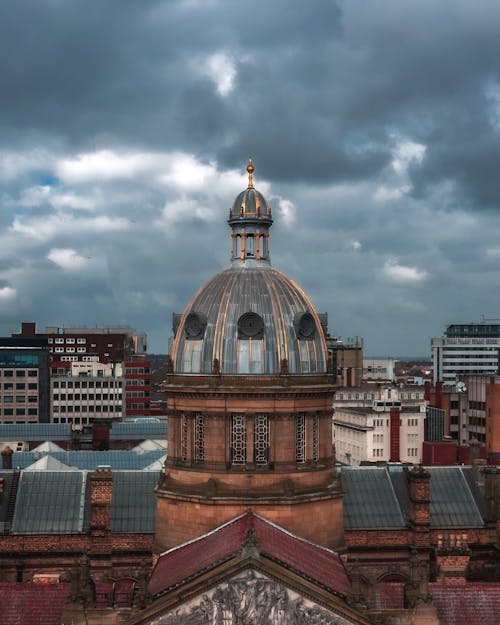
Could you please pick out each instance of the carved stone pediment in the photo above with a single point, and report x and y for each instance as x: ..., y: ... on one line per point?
x: 250, y: 598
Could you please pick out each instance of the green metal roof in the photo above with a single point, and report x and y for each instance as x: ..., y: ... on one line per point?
x: 133, y: 505
x: 50, y: 503
x: 370, y: 501
x: 452, y: 502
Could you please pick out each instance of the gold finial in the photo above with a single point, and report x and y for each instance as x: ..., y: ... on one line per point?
x: 250, y: 170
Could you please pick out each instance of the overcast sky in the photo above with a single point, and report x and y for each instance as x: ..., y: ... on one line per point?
x: 125, y: 128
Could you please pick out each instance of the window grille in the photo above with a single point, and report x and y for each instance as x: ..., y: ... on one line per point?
x: 261, y: 439
x: 199, y: 438
x: 315, y: 450
x: 184, y: 438
x: 300, y: 438
x: 238, y: 440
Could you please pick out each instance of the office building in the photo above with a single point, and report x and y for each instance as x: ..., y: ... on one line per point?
x: 24, y: 380
x: 466, y: 349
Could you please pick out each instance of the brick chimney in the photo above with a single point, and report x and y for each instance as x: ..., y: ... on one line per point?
x: 7, y: 457
x: 420, y: 517
x: 101, y: 490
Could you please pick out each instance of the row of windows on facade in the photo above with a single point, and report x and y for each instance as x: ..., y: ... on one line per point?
x: 96, y: 408
x: 410, y: 422
x: 371, y: 396
x: 19, y: 373
x: 411, y: 452
x: 87, y: 384
x: 20, y: 386
x: 68, y: 350
x: 19, y: 412
x: 240, y: 452
x: 86, y: 396
x: 19, y: 399
x: 71, y: 341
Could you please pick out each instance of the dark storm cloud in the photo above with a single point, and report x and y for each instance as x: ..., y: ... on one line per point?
x: 374, y: 128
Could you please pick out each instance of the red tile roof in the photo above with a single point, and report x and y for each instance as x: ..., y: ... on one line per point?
x: 467, y: 603
x: 312, y: 561
x: 32, y: 604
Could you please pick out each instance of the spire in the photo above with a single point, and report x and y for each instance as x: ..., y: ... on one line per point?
x: 250, y: 170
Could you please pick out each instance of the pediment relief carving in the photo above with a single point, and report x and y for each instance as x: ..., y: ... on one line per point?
x: 250, y: 598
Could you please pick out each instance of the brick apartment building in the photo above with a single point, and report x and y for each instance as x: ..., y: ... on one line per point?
x: 107, y: 345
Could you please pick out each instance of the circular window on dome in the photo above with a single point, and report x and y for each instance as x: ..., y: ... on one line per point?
x: 194, y: 326
x: 250, y: 326
x: 305, y: 326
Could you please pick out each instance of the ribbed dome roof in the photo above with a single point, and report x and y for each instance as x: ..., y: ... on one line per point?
x: 250, y: 203
x: 249, y: 319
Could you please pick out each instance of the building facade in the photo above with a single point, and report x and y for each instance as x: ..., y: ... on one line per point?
x: 466, y: 349
x: 379, y: 370
x: 249, y: 399
x: 106, y: 345
x: 85, y: 392
x: 374, y: 425
x: 24, y: 380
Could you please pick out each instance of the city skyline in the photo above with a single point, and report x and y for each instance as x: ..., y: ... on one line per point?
x: 374, y: 132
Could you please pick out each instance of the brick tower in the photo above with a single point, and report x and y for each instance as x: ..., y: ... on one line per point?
x: 249, y: 400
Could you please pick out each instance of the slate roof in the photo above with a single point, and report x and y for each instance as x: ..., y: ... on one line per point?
x: 50, y: 502
x: 319, y: 564
x: 468, y: 603
x: 378, y: 498
x: 452, y: 502
x: 133, y: 505
x: 35, y: 431
x: 116, y: 459
x: 370, y: 501
x: 138, y: 430
x: 32, y: 604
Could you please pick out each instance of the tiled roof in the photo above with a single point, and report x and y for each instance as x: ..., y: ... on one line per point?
x: 467, y: 603
x: 370, y: 501
x: 138, y: 430
x: 133, y: 505
x: 50, y: 503
x: 116, y: 459
x: 34, y: 431
x: 312, y: 561
x: 452, y: 502
x: 32, y: 604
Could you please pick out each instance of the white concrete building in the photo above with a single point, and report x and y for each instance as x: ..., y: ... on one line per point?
x: 379, y: 370
x: 468, y: 349
x: 86, y: 391
x: 384, y: 424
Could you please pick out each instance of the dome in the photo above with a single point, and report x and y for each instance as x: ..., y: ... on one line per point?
x: 250, y: 318
x: 250, y: 204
